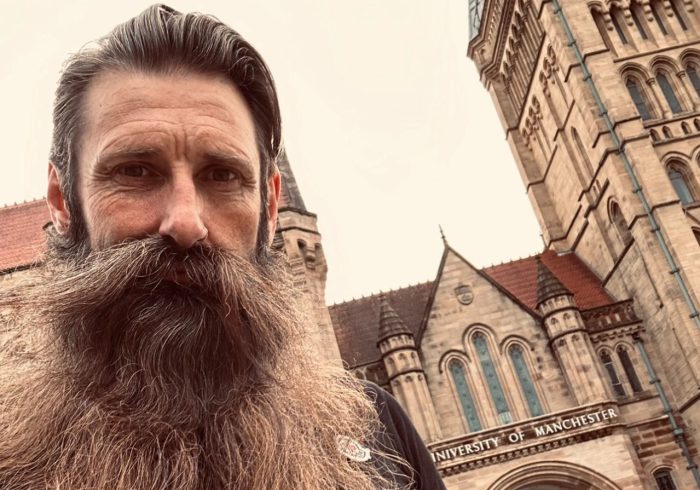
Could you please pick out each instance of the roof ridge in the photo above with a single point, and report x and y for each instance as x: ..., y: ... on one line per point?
x: 381, y: 292
x: 23, y: 203
x: 512, y: 261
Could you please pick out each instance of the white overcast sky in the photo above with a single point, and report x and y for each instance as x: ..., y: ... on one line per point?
x: 387, y: 127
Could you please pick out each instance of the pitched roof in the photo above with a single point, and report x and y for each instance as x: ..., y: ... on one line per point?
x: 356, y: 322
x: 22, y: 239
x: 520, y: 278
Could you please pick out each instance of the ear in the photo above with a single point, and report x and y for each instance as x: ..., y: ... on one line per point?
x: 273, y: 198
x: 57, y: 203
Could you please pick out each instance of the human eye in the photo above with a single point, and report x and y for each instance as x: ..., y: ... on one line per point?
x: 134, y: 171
x: 222, y: 175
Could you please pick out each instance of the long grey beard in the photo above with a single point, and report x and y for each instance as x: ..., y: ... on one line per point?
x: 149, y: 368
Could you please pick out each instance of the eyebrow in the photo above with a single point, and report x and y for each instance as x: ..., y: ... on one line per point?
x: 145, y: 153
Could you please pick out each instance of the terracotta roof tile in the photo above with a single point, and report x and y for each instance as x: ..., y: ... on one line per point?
x: 519, y: 277
x: 356, y: 322
x: 22, y: 239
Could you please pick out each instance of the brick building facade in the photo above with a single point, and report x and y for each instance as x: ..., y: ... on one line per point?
x: 577, y: 368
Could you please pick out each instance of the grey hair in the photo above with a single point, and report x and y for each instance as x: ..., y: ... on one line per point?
x: 162, y: 40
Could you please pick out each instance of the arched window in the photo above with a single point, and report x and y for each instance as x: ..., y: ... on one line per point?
x: 638, y: 98
x: 667, y: 132
x: 465, y: 396
x: 492, y: 381
x: 618, y: 23
x: 654, y: 135
x: 696, y: 123
x: 602, y: 30
x: 679, y: 181
x: 685, y: 128
x: 638, y: 18
x: 668, y: 92
x: 629, y: 369
x: 664, y: 480
x: 582, y: 153
x: 657, y: 12
x: 692, y: 70
x: 618, y: 220
x: 679, y: 16
x: 617, y: 387
x: 525, y: 380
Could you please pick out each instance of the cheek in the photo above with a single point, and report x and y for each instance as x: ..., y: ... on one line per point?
x: 112, y: 218
x: 234, y: 228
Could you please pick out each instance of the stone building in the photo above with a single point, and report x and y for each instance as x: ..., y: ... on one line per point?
x: 577, y: 368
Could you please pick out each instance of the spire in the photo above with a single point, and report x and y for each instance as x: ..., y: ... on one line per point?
x: 548, y: 286
x: 442, y: 234
x: 291, y: 196
x: 389, y: 322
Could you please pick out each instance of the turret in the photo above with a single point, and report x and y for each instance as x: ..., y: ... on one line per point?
x: 569, y: 338
x: 298, y: 236
x: 405, y: 371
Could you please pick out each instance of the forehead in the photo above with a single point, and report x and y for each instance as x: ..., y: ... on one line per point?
x: 121, y: 104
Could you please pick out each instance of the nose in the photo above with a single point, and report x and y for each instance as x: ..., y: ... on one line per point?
x: 182, y: 219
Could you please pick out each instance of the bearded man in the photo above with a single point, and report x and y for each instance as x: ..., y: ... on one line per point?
x: 158, y: 345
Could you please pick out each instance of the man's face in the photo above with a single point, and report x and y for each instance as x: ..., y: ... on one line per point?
x: 172, y: 155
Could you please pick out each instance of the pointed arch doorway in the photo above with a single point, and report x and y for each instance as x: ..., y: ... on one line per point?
x: 553, y: 475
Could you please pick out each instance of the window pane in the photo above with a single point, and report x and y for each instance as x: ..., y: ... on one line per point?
x: 680, y: 186
x: 664, y: 480
x: 492, y: 381
x: 465, y: 397
x: 657, y: 17
x: 670, y: 95
x: 629, y: 370
x: 618, y: 27
x: 638, y: 99
x: 618, y: 389
x: 694, y: 79
x: 677, y: 14
x: 528, y: 387
x: 638, y: 21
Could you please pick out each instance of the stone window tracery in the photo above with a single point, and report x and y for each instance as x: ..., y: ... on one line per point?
x: 664, y: 480
x: 678, y: 175
x: 525, y: 380
x: 639, y: 99
x: 669, y: 93
x: 465, y: 396
x: 628, y: 367
x: 615, y: 382
x: 491, y: 377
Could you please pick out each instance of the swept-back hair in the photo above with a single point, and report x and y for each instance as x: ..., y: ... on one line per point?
x: 161, y: 40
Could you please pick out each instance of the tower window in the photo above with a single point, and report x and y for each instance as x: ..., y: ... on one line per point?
x: 492, y: 381
x: 679, y: 17
x: 525, y: 380
x: 680, y: 185
x: 614, y: 16
x: 668, y: 92
x: 638, y: 20
x: 617, y: 387
x: 693, y: 76
x: 465, y: 396
x: 638, y: 99
x: 657, y: 17
x: 664, y: 481
x: 629, y: 369
x: 620, y: 224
